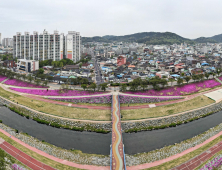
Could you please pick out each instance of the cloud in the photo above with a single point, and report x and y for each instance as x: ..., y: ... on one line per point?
x: 188, y: 18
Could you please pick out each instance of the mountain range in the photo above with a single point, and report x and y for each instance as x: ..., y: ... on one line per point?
x: 154, y: 38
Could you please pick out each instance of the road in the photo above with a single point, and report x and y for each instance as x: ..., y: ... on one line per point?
x: 97, y: 70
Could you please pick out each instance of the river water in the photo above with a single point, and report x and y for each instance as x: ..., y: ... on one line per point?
x: 91, y: 142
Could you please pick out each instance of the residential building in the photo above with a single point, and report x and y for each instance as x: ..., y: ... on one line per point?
x: 9, y: 63
x: 7, y: 42
x: 0, y: 38
x: 47, y: 46
x: 73, y: 46
x: 121, y: 60
x: 27, y: 65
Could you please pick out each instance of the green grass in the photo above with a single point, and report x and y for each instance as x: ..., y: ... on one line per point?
x: 36, y: 156
x: 135, y: 114
x: 185, y: 158
x: 13, y: 160
x: 58, y: 110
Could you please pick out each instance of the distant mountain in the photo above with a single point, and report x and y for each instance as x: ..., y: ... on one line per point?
x: 205, y: 40
x: 154, y: 38
x: 217, y: 38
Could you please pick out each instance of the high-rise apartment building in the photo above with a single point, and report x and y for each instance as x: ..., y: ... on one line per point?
x: 46, y: 46
x: 0, y: 38
x: 73, y: 46
x: 7, y: 42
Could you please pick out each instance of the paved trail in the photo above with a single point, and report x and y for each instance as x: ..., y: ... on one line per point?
x: 117, y: 144
x: 22, y: 157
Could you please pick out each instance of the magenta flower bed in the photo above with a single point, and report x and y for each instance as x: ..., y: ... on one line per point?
x: 214, y: 164
x: 2, y: 78
x: 56, y: 92
x: 104, y: 99
x: 14, y: 82
x: 179, y: 90
x: 134, y: 99
x: 220, y: 78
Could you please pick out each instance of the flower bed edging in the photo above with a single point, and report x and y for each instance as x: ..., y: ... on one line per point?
x: 170, y: 121
x: 58, y: 152
x: 58, y: 122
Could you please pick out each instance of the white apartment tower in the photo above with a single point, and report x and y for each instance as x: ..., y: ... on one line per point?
x: 73, y: 46
x: 7, y: 42
x: 41, y: 46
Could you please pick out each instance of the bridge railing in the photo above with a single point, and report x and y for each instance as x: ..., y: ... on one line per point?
x: 124, y: 159
x: 111, y: 137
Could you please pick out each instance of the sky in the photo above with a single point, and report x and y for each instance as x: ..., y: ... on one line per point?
x: 187, y: 18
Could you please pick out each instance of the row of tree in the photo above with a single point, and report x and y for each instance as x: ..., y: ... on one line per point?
x: 138, y: 83
x: 37, y: 78
x: 62, y: 62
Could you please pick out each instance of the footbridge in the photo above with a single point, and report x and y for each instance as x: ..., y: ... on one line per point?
x: 117, y: 155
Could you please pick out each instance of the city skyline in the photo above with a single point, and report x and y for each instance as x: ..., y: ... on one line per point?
x: 189, y: 19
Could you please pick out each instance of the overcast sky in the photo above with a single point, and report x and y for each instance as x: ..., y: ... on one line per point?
x: 188, y: 18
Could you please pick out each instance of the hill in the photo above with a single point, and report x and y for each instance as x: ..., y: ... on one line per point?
x: 154, y: 38
x: 217, y: 38
x: 205, y: 40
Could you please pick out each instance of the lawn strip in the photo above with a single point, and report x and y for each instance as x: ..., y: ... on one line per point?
x: 185, y: 158
x: 171, y: 109
x: 36, y: 156
x: 58, y: 110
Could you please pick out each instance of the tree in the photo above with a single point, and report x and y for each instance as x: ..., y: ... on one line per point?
x: 163, y: 82
x: 29, y: 78
x: 84, y: 86
x: 179, y: 81
x: 37, y: 81
x: 92, y: 86
x: 84, y: 81
x: 182, y: 74
x: 144, y: 84
x: 187, y: 78
x: 60, y: 64
x: 23, y: 77
x: 103, y: 86
x: 194, y: 77
x: 135, y: 84
x: 123, y: 87
x: 201, y: 76
x: 18, y: 76
x: 171, y: 80
x: 45, y: 83
x: 41, y: 71
x: 207, y: 75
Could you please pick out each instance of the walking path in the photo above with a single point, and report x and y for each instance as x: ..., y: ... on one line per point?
x: 22, y: 157
x: 188, y: 97
x: 198, y: 160
x: 192, y: 163
x: 64, y: 162
x: 4, y: 80
x: 117, y: 142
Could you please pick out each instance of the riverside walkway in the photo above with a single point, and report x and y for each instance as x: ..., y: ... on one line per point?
x: 117, y: 154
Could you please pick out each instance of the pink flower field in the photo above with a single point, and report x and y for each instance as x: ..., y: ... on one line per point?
x: 56, y: 92
x: 2, y: 78
x: 179, y: 90
x: 14, y: 82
